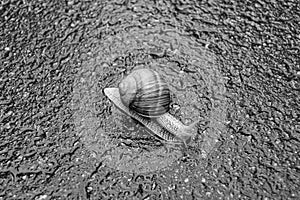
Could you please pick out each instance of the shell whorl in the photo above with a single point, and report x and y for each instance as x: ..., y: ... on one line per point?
x: 145, y: 92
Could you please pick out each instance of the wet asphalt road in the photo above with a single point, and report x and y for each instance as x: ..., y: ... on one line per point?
x: 44, y: 45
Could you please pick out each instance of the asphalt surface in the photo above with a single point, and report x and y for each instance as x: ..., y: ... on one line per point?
x: 61, y: 138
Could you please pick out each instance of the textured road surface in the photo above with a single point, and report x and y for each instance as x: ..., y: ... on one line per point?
x: 43, y: 45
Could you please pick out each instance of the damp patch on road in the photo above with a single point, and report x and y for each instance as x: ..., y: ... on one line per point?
x: 195, y: 82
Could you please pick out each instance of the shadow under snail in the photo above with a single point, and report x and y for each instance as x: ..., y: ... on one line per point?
x: 145, y: 96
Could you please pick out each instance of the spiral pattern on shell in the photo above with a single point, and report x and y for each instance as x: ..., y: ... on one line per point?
x: 145, y: 92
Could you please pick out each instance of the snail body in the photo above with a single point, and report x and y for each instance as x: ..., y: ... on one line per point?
x: 145, y: 96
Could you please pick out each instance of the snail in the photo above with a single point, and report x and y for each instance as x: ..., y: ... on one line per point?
x: 145, y: 96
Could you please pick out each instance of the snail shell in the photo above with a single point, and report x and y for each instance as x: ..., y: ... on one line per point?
x: 145, y: 92
x: 145, y: 96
